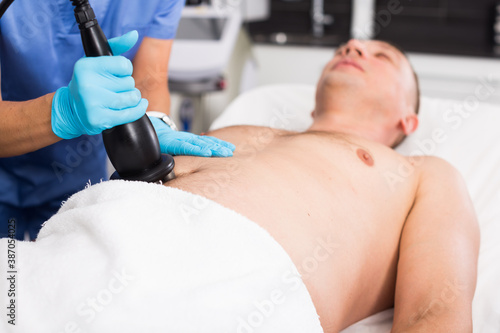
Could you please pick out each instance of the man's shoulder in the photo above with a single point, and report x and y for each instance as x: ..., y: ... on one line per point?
x: 434, y: 172
x: 432, y: 164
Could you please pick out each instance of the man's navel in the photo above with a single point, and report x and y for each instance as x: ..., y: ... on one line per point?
x: 365, y: 157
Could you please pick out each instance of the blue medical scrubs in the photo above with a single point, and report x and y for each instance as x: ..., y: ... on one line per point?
x: 39, y: 45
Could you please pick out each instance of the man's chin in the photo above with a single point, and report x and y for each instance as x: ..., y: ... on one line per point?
x: 342, y: 82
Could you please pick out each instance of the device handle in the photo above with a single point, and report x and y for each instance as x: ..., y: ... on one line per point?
x: 133, y: 148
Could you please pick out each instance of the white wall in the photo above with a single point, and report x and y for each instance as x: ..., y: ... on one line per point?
x: 456, y: 77
x: 290, y: 64
x: 440, y: 76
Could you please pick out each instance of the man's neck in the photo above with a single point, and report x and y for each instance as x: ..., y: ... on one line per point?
x: 342, y: 124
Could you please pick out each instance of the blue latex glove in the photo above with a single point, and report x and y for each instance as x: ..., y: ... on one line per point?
x: 100, y: 95
x: 184, y: 143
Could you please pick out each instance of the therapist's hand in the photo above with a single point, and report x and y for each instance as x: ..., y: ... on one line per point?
x: 100, y: 95
x: 184, y: 143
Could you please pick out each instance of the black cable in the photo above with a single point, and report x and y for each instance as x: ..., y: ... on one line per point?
x: 4, y: 5
x: 79, y: 2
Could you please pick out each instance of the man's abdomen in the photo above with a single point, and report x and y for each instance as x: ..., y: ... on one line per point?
x: 336, y: 215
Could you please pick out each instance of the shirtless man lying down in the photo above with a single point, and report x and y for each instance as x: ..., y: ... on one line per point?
x: 405, y: 229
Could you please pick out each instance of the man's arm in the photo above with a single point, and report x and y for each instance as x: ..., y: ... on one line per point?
x: 437, y: 266
x: 151, y: 72
x: 26, y: 126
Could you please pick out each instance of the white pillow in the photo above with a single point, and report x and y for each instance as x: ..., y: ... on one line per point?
x: 278, y: 106
x: 465, y: 133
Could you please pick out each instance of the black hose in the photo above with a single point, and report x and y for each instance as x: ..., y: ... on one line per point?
x: 4, y: 5
x: 78, y: 2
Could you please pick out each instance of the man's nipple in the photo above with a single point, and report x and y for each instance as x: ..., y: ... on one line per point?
x: 365, y: 157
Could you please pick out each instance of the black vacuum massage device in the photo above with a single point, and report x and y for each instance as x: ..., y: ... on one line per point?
x: 133, y: 148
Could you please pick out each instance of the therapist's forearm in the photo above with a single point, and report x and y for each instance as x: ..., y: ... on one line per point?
x: 158, y: 98
x: 26, y: 126
x: 151, y: 72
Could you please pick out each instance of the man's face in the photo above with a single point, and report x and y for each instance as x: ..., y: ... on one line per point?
x: 373, y: 73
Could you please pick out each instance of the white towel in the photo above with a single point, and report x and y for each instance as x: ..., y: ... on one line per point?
x: 135, y: 257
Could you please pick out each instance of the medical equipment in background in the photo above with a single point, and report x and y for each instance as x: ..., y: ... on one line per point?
x: 203, y: 45
x: 194, y: 2
x: 496, y: 30
x: 363, y: 23
x: 202, y: 49
x: 319, y: 18
x: 132, y: 148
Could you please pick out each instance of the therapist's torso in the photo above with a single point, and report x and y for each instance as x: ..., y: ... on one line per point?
x: 39, y: 44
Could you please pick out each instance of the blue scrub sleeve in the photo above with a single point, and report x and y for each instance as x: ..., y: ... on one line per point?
x: 166, y: 20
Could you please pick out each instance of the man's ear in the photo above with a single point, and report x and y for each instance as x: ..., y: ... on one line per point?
x: 409, y: 123
x: 313, y: 113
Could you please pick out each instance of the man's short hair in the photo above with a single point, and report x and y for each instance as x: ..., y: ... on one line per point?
x: 417, y: 89
x: 415, y: 76
x: 417, y: 84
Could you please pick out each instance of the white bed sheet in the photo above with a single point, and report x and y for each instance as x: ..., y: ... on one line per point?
x: 465, y: 133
